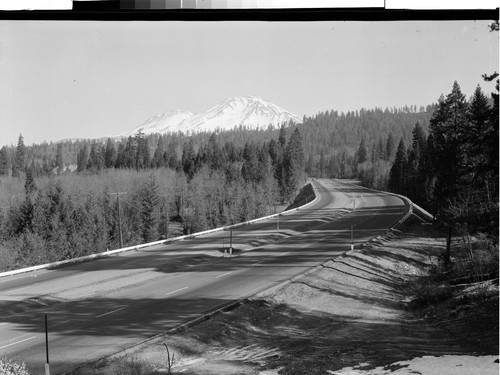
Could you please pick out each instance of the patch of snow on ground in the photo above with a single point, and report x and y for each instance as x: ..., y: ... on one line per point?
x: 428, y: 365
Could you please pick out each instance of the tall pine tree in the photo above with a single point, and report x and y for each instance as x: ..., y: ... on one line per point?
x: 449, y: 128
x: 20, y: 157
x: 397, y: 175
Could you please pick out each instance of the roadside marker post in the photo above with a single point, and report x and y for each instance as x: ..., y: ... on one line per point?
x: 230, y: 244
x: 352, y: 238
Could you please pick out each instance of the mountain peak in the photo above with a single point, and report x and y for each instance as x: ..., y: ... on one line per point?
x: 252, y: 112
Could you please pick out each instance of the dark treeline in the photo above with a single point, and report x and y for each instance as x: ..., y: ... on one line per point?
x: 359, y: 144
x: 453, y: 169
x: 331, y: 142
x: 152, y: 195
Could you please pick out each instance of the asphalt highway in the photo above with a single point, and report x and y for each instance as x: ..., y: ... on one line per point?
x: 100, y: 307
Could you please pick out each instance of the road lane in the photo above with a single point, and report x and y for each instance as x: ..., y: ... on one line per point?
x: 125, y: 299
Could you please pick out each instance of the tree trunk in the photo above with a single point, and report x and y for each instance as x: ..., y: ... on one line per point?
x: 448, y: 248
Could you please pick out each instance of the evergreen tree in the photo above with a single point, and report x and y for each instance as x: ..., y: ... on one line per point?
x: 173, y: 158
x: 362, y: 153
x: 215, y: 154
x: 380, y: 150
x: 310, y: 165
x: 59, y: 159
x: 389, y: 147
x: 294, y: 163
x: 150, y: 199
x: 419, y: 140
x: 26, y: 213
x: 82, y: 158
x: 94, y: 161
x: 110, y: 154
x: 4, y: 161
x: 121, y: 161
x: 321, y: 166
x: 397, y: 174
x: 160, y: 156
x: 448, y: 127
x: 130, y: 153
x: 29, y: 184
x: 282, y: 137
x: 101, y: 157
x: 188, y: 159
x: 250, y: 166
x: 143, y: 158
x: 46, y: 167
x: 479, y: 132
x: 19, y: 160
x: 276, y: 153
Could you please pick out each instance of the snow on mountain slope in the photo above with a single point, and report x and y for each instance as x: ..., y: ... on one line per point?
x: 162, y: 123
x: 249, y: 111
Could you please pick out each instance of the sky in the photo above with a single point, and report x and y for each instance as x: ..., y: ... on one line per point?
x: 91, y: 79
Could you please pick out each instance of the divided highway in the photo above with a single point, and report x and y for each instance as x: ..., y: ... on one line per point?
x: 100, y: 307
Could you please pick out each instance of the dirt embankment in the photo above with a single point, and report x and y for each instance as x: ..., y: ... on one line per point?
x: 352, y: 315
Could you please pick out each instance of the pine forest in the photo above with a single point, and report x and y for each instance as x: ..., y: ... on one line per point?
x: 76, y: 197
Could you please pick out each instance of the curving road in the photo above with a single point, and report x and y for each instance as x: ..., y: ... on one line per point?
x: 103, y: 306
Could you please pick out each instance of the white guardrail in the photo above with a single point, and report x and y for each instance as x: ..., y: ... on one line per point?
x: 412, y: 206
x: 137, y: 247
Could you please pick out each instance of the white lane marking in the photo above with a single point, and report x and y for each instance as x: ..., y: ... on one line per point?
x: 260, y: 261
x: 110, y: 312
x: 12, y: 278
x: 283, y: 253
x: 18, y: 289
x: 78, y: 275
x: 224, y: 274
x: 17, y: 342
x: 177, y: 290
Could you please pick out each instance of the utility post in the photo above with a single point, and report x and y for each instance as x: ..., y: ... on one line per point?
x: 119, y: 217
x: 182, y: 204
x: 47, y: 367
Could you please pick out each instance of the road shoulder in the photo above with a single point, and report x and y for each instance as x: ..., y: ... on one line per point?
x: 349, y: 316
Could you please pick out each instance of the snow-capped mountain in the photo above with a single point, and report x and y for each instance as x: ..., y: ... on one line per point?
x: 162, y: 123
x: 249, y: 111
